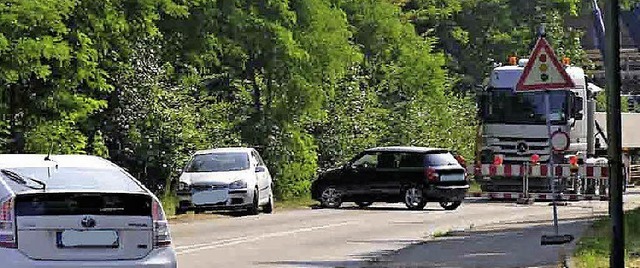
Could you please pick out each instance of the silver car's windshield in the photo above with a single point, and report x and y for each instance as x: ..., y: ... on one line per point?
x: 100, y: 179
x: 218, y: 162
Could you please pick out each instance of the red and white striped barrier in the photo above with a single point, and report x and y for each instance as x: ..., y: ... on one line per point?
x: 537, y: 196
x: 538, y: 171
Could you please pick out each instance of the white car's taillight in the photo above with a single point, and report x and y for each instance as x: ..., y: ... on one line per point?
x: 7, y: 228
x: 161, y: 234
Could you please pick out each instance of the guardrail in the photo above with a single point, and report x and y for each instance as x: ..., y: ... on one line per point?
x: 587, y: 182
x: 634, y: 174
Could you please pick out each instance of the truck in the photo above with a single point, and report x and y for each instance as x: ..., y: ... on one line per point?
x: 513, y: 145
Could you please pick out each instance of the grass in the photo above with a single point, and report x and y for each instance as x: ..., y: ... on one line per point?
x: 474, y: 187
x: 593, y: 248
x: 169, y: 203
x: 437, y: 234
x: 295, y: 203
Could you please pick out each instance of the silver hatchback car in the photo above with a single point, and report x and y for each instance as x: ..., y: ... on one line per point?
x: 78, y: 211
x: 226, y: 179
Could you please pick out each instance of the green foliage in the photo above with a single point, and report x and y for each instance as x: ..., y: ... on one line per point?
x: 59, y: 137
x: 601, y: 103
x: 594, y: 247
x: 98, y: 146
x: 478, y: 33
x: 308, y: 82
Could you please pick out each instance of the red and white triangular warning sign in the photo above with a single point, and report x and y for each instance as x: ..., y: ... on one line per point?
x: 543, y: 71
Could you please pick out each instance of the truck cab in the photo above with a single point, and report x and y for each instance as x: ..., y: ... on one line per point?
x: 513, y: 124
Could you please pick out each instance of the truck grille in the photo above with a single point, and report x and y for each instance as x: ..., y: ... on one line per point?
x: 518, y: 150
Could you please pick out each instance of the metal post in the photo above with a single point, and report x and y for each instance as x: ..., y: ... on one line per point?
x: 526, y: 179
x: 591, y: 125
x: 551, y: 170
x: 614, y: 123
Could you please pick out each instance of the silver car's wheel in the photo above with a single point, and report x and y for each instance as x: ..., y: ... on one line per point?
x: 414, y: 199
x: 331, y: 197
x: 268, y: 208
x: 253, y: 209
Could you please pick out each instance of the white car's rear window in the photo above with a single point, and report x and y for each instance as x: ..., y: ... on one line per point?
x: 72, y: 178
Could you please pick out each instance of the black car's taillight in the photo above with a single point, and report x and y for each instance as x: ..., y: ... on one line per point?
x: 431, y: 174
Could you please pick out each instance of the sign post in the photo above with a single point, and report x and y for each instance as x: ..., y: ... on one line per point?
x: 544, y: 72
x: 614, y: 127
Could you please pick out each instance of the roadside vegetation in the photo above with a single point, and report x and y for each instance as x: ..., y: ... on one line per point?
x: 474, y: 187
x: 594, y: 247
x: 307, y: 82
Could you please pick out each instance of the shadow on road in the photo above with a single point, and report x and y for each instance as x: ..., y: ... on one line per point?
x: 372, y: 208
x: 499, y: 248
x: 505, y: 247
x: 375, y: 208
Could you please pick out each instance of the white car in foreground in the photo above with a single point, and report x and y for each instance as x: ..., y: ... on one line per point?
x: 78, y: 211
x: 226, y: 179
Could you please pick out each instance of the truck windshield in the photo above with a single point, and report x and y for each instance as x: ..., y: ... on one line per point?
x: 505, y: 106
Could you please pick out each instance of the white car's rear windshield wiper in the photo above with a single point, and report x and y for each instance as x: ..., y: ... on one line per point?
x: 21, y: 179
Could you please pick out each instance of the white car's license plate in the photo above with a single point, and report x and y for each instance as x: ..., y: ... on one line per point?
x: 88, y: 239
x: 209, y: 197
x: 452, y: 177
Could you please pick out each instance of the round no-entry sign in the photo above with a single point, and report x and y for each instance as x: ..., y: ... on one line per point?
x: 560, y: 141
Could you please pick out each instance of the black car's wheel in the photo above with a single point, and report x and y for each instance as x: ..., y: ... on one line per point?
x: 450, y: 205
x: 180, y: 211
x: 268, y: 208
x: 414, y: 199
x: 255, y: 206
x: 364, y: 204
x: 331, y: 197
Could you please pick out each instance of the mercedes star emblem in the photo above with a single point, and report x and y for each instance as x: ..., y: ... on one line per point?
x: 88, y: 222
x: 522, y: 147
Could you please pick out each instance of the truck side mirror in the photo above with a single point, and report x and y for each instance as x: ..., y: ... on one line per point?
x: 577, y: 108
x: 578, y: 104
x: 482, y: 104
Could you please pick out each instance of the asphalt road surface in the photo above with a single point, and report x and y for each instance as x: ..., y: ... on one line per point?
x: 478, y: 234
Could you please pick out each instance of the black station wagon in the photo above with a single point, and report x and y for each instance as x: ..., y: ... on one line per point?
x: 413, y: 175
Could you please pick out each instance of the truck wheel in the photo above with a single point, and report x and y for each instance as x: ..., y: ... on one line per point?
x: 450, y: 205
x: 414, y: 199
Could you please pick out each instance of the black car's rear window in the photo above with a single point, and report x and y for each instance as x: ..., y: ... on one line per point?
x: 412, y: 160
x: 81, y: 178
x: 440, y: 159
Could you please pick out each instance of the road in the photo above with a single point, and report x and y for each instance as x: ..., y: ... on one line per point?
x: 385, y: 235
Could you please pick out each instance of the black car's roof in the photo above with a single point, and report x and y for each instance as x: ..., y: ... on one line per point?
x: 406, y: 149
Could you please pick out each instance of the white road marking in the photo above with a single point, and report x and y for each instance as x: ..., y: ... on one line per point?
x: 181, y: 250
x: 484, y: 254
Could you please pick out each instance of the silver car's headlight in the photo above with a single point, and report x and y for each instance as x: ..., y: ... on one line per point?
x: 239, y: 184
x: 183, y: 186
